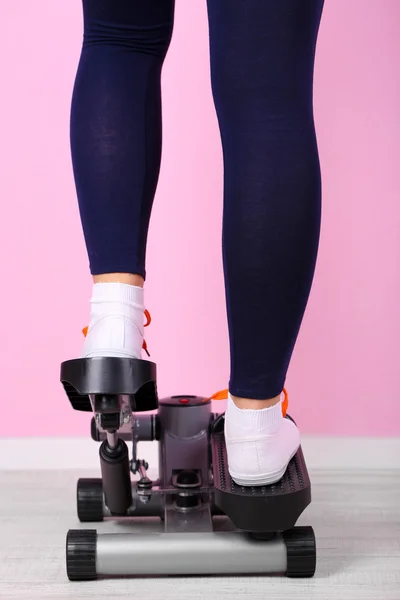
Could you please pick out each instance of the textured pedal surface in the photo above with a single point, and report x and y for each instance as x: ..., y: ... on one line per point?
x: 109, y: 376
x: 266, y: 508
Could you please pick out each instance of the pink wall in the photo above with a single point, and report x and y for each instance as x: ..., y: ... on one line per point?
x: 346, y: 360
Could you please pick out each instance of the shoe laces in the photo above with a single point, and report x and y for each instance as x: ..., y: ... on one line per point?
x: 222, y: 394
x: 148, y: 321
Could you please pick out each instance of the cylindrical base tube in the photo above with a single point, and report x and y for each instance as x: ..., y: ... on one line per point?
x: 188, y: 554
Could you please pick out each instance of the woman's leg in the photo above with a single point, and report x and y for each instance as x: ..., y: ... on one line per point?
x: 262, y: 61
x: 116, y: 152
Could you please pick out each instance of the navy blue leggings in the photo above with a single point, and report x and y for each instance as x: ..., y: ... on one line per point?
x: 262, y: 64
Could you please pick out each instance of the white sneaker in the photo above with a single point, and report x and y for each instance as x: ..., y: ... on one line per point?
x: 259, y: 444
x: 113, y: 335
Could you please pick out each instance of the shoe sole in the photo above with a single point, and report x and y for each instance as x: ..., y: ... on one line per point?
x: 107, y: 354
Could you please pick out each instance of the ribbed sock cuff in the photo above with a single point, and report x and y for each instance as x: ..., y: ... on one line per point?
x: 263, y: 420
x: 118, y: 292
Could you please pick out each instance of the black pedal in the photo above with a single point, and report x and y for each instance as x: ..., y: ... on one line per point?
x: 269, y: 508
x: 110, y: 376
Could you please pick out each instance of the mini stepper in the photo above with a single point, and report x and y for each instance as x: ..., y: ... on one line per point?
x: 210, y: 524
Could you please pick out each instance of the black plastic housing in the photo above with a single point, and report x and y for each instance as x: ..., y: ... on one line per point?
x: 110, y: 376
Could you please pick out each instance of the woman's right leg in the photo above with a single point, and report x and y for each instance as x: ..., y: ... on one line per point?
x: 116, y: 153
x: 262, y: 65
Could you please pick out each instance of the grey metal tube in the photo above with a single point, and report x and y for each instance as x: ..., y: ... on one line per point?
x: 112, y: 439
x: 188, y: 554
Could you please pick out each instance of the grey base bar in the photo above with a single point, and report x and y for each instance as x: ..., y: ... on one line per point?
x: 188, y: 554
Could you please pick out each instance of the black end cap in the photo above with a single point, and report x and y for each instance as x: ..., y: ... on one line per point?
x: 94, y: 432
x: 89, y: 500
x: 301, y: 552
x: 81, y: 554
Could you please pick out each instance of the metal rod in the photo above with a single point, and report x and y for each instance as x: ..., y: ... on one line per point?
x: 142, y: 470
x: 112, y: 439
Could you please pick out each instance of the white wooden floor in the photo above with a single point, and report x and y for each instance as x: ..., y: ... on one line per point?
x: 355, y: 515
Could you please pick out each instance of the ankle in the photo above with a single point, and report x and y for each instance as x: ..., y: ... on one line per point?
x: 253, y: 404
x: 129, y: 278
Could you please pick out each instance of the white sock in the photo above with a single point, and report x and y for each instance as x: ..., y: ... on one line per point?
x: 116, y: 326
x: 259, y: 443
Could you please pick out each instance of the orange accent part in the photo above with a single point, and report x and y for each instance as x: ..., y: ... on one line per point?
x: 145, y: 348
x: 85, y: 330
x: 285, y: 402
x: 148, y: 317
x: 223, y: 395
x: 148, y: 321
